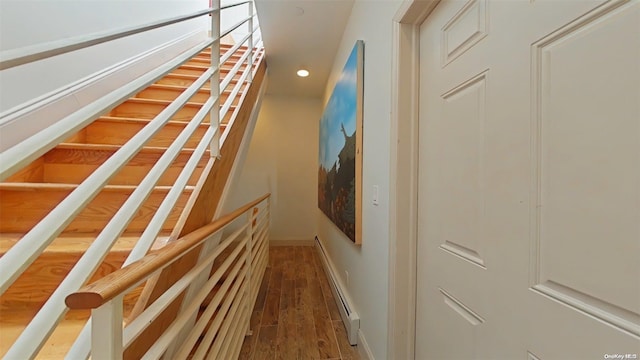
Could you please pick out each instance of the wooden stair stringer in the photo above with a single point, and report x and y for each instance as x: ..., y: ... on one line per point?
x: 198, y: 211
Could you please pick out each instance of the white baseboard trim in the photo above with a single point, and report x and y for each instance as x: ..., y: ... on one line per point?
x: 363, y: 347
x: 349, y: 316
x: 291, y: 242
x: 29, y: 118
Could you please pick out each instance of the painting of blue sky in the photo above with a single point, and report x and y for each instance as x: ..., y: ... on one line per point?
x: 337, y: 179
x: 340, y: 111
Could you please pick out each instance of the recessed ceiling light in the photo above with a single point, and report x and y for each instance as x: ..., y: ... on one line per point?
x: 303, y: 73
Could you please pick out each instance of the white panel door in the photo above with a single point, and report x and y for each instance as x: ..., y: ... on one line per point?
x: 529, y: 180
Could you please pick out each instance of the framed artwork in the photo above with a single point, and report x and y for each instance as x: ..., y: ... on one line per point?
x: 340, y: 155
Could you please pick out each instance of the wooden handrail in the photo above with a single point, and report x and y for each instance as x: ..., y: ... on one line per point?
x: 105, y: 289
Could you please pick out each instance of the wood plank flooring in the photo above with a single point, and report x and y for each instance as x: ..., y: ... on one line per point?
x: 295, y: 317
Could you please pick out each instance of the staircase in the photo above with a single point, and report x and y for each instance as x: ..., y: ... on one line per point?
x: 30, y: 194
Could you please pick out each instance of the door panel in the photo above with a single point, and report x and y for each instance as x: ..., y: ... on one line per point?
x: 529, y: 180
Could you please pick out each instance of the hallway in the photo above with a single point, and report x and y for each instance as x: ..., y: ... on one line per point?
x: 295, y: 316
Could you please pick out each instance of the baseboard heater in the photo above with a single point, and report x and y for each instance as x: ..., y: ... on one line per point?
x: 350, y: 318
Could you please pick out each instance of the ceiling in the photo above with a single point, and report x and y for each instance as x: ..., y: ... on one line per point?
x: 301, y: 33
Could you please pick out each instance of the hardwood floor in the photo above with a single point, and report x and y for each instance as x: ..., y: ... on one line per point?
x: 295, y: 317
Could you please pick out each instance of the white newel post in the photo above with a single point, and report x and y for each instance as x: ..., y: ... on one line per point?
x: 214, y: 120
x: 106, y: 330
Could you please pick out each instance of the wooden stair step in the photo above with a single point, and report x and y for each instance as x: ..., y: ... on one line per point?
x: 191, y: 69
x: 205, y: 59
x: 98, y: 153
x: 205, y: 55
x: 184, y: 80
x: 150, y: 108
x: 118, y: 130
x: 199, y: 69
x: 38, y: 282
x: 223, y: 48
x: 12, y: 323
x: 23, y: 205
x: 171, y: 92
x: 72, y: 163
x: 205, y: 62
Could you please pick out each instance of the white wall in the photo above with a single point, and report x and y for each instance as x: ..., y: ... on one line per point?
x: 367, y: 264
x: 283, y: 160
x: 29, y: 22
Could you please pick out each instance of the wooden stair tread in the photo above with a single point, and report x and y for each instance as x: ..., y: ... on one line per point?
x: 195, y: 67
x: 180, y: 88
x: 110, y: 147
x: 160, y: 102
x: 12, y: 324
x: 118, y: 129
x: 130, y: 120
x: 23, y: 205
x: 65, y: 244
x: 35, y: 286
x: 33, y: 186
x: 185, y: 76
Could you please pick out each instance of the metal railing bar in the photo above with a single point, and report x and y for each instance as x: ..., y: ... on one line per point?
x: 31, y: 105
x: 237, y: 345
x: 14, y: 158
x: 259, y: 240
x: 250, y: 43
x: 51, y: 313
x: 224, y: 309
x: 233, y: 5
x: 233, y: 27
x: 262, y: 213
x: 165, y: 340
x: 259, y: 247
x: 242, y: 97
x: 259, y: 237
x: 260, y: 267
x: 233, y: 334
x: 227, y: 104
x: 228, y: 320
x: 135, y: 328
x: 214, y: 90
x: 203, y: 320
x: 257, y: 42
x: 81, y: 346
x: 233, y: 50
x: 187, y: 346
x: 231, y: 303
x: 260, y: 224
x: 106, y: 288
x: 24, y: 55
x: 233, y: 72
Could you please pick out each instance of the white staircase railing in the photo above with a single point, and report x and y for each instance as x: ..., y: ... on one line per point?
x: 35, y: 241
x: 225, y: 319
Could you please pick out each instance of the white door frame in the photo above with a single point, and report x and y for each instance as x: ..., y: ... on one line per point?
x: 403, y: 204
